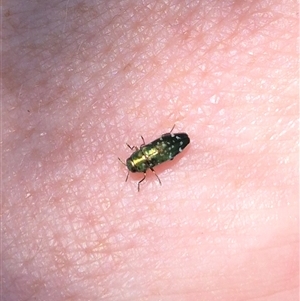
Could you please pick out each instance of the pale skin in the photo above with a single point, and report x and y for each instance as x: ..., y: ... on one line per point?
x: 80, y: 80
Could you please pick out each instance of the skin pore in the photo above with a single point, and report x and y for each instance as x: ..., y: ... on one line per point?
x: 82, y: 79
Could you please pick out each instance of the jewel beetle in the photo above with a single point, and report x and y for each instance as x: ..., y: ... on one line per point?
x: 163, y: 149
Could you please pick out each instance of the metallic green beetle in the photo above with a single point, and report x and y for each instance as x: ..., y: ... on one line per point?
x: 154, y: 153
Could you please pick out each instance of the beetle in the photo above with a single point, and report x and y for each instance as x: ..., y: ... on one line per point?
x: 163, y: 149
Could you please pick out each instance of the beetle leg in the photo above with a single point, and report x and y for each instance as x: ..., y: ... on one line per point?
x: 156, y: 175
x: 141, y: 181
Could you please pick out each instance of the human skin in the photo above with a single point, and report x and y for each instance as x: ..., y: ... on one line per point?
x: 82, y: 79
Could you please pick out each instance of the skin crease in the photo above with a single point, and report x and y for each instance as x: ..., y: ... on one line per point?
x: 82, y: 79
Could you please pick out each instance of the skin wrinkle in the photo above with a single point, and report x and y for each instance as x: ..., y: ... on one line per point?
x: 80, y: 81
